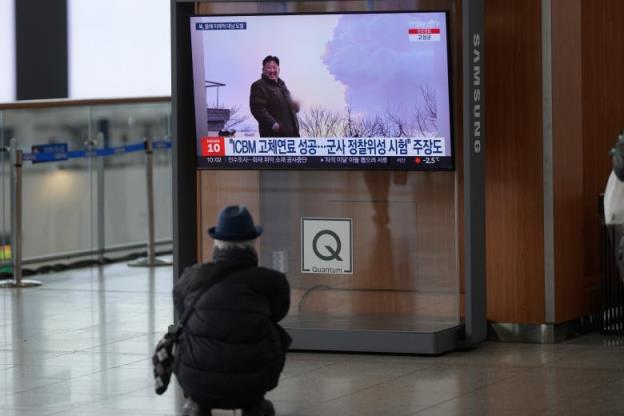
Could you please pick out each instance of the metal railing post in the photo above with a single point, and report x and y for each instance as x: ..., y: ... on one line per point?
x: 90, y: 147
x: 16, y: 222
x: 151, y: 234
x: 16, y: 210
x: 100, y: 202
x: 151, y: 259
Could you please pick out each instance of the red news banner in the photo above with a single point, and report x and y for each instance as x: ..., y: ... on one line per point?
x: 424, y: 34
x: 213, y: 146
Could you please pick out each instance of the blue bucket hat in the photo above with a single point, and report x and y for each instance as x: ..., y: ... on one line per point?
x: 235, y: 224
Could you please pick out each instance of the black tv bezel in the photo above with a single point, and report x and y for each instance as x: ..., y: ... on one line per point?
x: 451, y: 98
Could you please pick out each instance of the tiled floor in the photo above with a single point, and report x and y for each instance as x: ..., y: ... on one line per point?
x: 81, y: 344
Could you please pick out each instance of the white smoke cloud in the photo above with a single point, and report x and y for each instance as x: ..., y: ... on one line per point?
x: 381, y: 69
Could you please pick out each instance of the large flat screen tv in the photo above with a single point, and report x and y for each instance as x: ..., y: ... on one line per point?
x: 337, y: 91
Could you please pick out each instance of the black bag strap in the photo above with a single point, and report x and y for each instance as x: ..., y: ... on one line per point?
x: 216, y: 278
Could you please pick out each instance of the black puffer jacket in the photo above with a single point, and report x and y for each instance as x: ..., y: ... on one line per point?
x: 270, y: 102
x: 232, y: 350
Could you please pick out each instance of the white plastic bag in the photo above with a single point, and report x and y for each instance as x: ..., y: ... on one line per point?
x: 614, y: 201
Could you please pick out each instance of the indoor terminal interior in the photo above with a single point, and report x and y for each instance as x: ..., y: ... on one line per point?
x: 446, y: 204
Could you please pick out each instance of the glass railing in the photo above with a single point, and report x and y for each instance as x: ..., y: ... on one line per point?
x: 91, y: 198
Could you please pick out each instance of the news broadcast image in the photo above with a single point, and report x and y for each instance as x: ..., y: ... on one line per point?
x: 363, y: 91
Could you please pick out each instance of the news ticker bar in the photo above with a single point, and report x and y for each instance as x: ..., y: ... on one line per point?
x: 59, y: 151
x: 417, y: 163
x: 326, y: 146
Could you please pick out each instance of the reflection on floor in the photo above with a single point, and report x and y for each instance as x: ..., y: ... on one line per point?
x: 372, y: 309
x: 80, y: 345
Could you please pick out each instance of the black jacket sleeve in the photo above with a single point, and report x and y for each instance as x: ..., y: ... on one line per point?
x: 182, y: 288
x: 274, y: 287
x: 618, y: 157
x: 258, y: 104
x: 281, y: 302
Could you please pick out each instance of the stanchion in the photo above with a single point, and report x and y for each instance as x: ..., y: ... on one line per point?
x: 151, y: 260
x: 100, y: 202
x: 16, y: 222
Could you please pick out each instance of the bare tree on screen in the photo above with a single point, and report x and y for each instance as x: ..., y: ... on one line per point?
x: 427, y: 114
x: 394, y: 122
x: 319, y: 122
x: 236, y: 117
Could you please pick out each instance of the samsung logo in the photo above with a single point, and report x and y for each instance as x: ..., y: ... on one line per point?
x: 476, y: 92
x: 221, y: 26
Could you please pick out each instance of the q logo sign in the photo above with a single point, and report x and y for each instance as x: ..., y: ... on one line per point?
x: 333, y: 250
x: 326, y: 246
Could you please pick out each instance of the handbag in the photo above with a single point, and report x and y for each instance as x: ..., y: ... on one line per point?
x: 164, y: 353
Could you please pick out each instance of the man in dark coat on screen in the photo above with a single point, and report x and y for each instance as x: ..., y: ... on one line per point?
x: 271, y: 104
x: 232, y: 350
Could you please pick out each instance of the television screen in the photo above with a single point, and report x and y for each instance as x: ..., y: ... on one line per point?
x: 322, y: 91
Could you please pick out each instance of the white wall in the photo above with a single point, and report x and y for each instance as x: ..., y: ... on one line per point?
x: 7, y: 51
x: 119, y: 48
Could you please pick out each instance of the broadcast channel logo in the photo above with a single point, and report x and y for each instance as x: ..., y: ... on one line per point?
x: 212, y: 146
